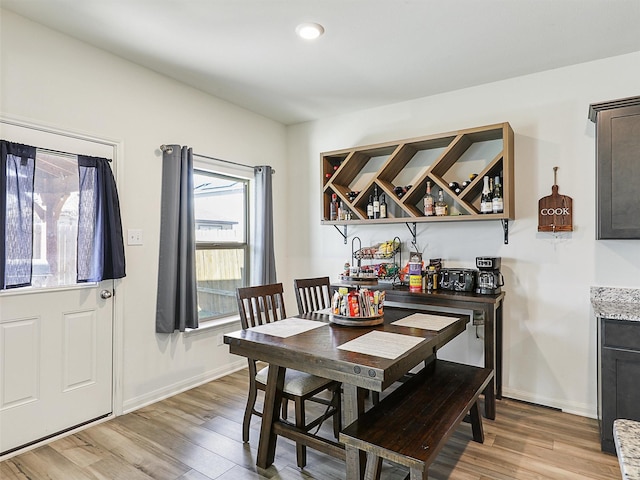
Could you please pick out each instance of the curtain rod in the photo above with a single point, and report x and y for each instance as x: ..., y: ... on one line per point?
x: 168, y: 149
x: 64, y: 154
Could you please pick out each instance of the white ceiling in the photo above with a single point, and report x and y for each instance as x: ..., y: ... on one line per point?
x: 374, y: 52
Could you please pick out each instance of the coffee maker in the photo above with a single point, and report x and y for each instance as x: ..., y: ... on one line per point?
x: 489, y: 277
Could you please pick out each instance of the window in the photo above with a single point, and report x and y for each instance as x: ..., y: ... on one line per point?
x: 59, y: 219
x: 222, y: 249
x: 54, y: 232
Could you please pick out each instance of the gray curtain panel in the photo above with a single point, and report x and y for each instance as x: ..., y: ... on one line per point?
x: 264, y: 261
x: 177, y: 307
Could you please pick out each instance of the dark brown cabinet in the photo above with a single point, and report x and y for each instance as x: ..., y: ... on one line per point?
x: 618, y: 168
x: 618, y: 375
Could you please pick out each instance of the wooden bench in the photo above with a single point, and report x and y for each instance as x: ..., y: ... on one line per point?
x: 411, y: 425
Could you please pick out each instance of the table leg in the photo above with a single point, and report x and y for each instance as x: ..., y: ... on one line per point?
x: 270, y: 414
x: 490, y: 361
x: 352, y: 407
x: 498, y: 374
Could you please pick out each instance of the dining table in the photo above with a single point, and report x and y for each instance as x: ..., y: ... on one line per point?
x: 362, y: 357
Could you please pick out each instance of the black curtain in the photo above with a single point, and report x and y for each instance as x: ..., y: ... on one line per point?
x: 16, y: 213
x: 100, y: 240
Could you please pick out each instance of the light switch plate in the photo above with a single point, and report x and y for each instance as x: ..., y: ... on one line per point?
x: 134, y: 236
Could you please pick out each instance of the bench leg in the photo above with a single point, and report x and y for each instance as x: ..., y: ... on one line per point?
x: 476, y: 423
x: 418, y: 474
x: 374, y: 467
x: 352, y: 460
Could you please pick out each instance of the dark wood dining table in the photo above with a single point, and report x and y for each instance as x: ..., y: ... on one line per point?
x: 316, y: 351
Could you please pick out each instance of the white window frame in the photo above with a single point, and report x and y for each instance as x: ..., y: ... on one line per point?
x: 205, y: 166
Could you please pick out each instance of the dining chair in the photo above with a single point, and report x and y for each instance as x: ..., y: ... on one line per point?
x: 312, y: 294
x: 263, y: 304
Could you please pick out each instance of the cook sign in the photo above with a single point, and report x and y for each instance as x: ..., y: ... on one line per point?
x: 555, y: 211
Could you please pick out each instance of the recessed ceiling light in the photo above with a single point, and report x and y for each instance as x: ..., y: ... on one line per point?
x: 309, y: 31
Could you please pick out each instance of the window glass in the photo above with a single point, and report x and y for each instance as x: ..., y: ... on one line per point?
x: 221, y: 219
x: 55, y: 220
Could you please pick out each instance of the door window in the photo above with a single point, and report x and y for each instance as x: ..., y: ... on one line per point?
x: 59, y: 219
x: 55, y: 220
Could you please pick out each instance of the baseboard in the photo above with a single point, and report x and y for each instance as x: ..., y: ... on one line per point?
x: 575, y: 408
x: 186, y: 384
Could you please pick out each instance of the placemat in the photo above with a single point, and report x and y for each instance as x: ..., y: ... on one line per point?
x: 426, y: 321
x: 287, y: 327
x: 382, y: 344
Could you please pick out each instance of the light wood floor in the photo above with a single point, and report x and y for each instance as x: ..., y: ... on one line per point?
x: 197, y: 436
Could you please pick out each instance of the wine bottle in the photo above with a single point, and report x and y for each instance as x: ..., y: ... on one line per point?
x: 429, y: 207
x: 342, y: 213
x: 376, y: 202
x: 333, y: 207
x: 370, y: 207
x: 486, y: 205
x: 497, y: 201
x: 466, y: 183
x: 442, y: 208
x: 383, y: 206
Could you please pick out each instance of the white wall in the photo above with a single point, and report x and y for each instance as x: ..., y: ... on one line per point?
x: 550, y: 331
x: 51, y: 79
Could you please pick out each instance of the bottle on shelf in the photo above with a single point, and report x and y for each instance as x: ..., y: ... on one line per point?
x: 376, y: 202
x: 342, y: 213
x: 497, y: 201
x: 486, y: 205
x: 370, y: 207
x: 429, y: 202
x: 383, y: 206
x: 454, y: 185
x: 333, y: 208
x: 466, y: 183
x: 442, y: 209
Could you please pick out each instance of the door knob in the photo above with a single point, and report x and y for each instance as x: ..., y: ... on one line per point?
x: 105, y: 294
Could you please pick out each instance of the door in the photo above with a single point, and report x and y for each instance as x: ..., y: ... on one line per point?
x: 56, y: 361
x: 56, y: 335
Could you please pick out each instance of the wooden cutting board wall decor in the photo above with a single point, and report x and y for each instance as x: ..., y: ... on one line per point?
x: 555, y: 211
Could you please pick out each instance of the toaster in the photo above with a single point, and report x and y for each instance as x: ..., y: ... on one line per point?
x: 458, y: 279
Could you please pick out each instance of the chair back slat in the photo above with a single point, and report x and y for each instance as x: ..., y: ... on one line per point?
x: 312, y: 294
x: 260, y: 304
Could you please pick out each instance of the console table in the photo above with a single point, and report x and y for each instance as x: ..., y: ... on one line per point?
x: 489, y: 308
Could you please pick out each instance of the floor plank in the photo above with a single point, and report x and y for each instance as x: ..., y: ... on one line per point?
x: 197, y: 435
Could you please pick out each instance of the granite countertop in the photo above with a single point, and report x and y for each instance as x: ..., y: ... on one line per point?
x: 626, y: 434
x: 616, y: 303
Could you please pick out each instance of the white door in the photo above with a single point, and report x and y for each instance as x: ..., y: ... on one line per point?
x: 56, y: 336
x: 55, y: 361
